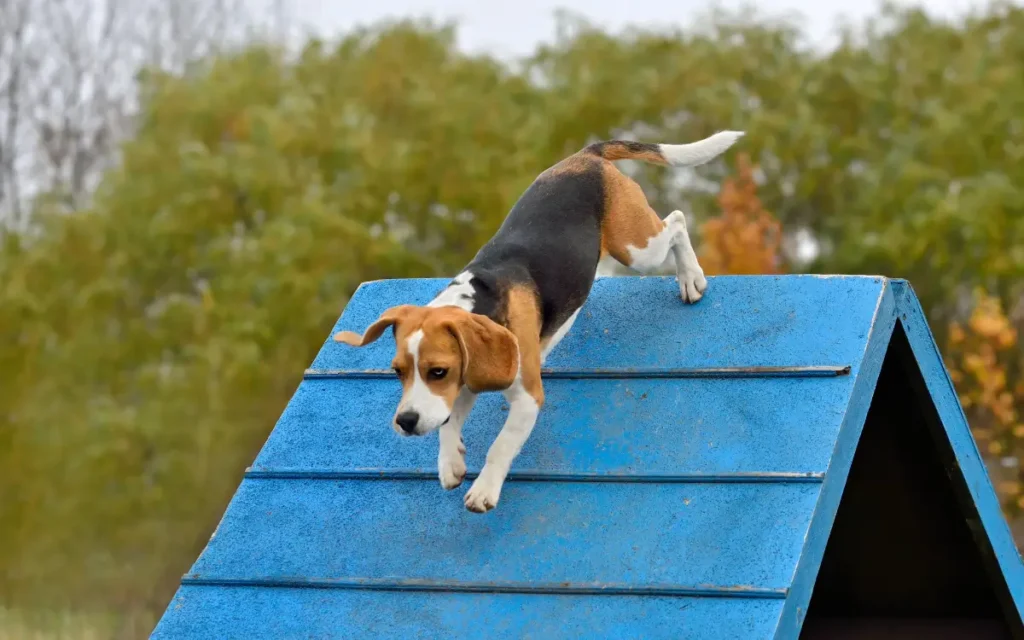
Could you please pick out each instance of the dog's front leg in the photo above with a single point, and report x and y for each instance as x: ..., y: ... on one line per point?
x: 522, y: 415
x: 451, y: 455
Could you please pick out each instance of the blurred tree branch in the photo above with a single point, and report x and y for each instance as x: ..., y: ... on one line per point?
x: 68, y: 91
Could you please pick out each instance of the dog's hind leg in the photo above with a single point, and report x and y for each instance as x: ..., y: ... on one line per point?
x: 633, y: 234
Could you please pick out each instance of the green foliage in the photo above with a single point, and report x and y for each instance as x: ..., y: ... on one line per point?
x: 149, y: 343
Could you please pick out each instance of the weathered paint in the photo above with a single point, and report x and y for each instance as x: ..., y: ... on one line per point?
x: 682, y: 480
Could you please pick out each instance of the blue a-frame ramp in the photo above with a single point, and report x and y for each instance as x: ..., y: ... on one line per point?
x: 786, y: 456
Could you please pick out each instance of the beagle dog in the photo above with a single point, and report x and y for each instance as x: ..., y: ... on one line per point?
x: 495, y: 323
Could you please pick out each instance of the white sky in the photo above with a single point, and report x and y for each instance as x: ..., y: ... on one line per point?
x: 510, y: 28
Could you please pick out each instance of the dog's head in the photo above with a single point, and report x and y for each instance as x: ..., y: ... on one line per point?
x: 438, y: 351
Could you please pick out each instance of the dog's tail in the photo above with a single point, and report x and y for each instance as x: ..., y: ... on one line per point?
x: 674, y: 155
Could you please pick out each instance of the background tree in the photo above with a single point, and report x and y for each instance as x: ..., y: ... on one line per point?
x: 985, y: 361
x: 153, y: 328
x: 744, y: 238
x: 68, y: 92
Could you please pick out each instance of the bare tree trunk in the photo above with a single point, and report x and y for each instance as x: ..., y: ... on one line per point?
x: 68, y: 90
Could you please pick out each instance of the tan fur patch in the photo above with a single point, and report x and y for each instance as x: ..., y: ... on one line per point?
x: 629, y: 221
x: 618, y: 152
x: 524, y: 321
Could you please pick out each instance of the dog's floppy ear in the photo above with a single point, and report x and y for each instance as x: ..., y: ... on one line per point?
x: 490, y: 353
x: 374, y: 331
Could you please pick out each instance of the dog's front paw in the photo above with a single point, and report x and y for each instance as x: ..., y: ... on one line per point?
x: 451, y: 471
x: 692, y: 285
x: 483, y: 494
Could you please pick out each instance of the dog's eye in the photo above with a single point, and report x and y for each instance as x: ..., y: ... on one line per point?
x: 437, y: 373
x: 398, y: 371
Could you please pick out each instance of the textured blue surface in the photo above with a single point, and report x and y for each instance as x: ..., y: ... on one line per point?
x: 640, y: 322
x: 657, y: 426
x: 659, y: 501
x: 247, y: 613
x: 557, y: 532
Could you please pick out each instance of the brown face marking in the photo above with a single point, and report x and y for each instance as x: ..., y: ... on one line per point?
x: 456, y: 349
x: 629, y: 221
x: 440, y: 358
x: 524, y: 320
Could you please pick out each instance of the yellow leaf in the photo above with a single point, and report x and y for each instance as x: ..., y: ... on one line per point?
x: 956, y: 334
x: 1007, y: 487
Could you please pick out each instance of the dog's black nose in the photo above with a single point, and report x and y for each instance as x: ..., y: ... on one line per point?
x: 407, y: 420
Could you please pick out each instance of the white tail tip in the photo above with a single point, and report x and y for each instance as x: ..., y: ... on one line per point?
x: 700, y: 152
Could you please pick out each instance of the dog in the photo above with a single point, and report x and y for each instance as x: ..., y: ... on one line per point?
x: 493, y: 326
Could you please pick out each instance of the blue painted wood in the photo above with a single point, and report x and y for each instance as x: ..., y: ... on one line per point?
x: 842, y: 457
x: 587, y: 426
x: 641, y: 323
x: 656, y: 498
x: 218, y: 612
x: 551, y: 533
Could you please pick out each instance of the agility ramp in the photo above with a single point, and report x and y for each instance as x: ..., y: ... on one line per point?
x: 787, y: 458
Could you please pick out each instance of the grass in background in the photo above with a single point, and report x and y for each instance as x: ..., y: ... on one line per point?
x: 16, y: 624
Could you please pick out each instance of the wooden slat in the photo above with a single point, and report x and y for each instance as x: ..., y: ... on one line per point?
x: 250, y: 612
x: 668, y: 536
x: 640, y: 323
x: 630, y: 427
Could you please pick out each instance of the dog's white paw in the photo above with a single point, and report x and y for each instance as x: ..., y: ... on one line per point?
x: 692, y: 285
x: 451, y: 471
x: 483, y: 494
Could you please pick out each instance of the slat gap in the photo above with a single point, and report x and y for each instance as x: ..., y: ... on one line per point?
x: 562, y: 588
x: 813, y: 371
x: 538, y: 476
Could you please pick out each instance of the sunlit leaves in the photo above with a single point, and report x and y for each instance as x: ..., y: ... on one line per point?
x: 986, y: 364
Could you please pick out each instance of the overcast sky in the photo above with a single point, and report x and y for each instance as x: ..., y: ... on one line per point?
x: 510, y: 28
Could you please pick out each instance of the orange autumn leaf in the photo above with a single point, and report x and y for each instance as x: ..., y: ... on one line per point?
x: 744, y: 239
x: 985, y: 363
